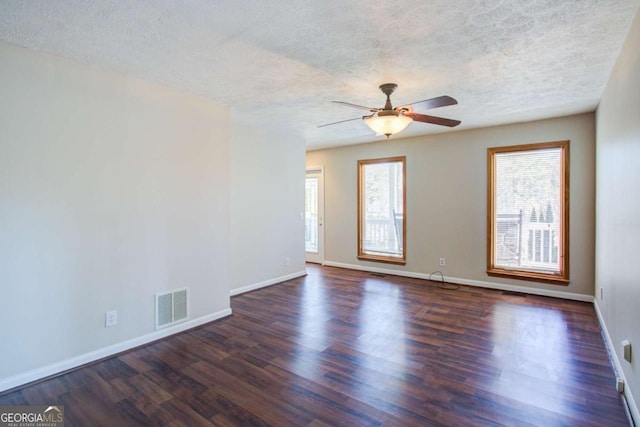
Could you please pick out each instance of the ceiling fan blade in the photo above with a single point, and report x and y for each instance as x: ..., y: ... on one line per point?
x: 341, y: 121
x: 433, y: 120
x: 441, y: 101
x: 361, y: 107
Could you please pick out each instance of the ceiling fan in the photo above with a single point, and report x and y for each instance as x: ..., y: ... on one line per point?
x: 388, y: 120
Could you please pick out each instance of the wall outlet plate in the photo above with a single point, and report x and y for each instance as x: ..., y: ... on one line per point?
x: 110, y: 318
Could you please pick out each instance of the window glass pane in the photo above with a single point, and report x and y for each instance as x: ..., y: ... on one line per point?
x: 311, y: 215
x: 527, y: 204
x: 383, y: 209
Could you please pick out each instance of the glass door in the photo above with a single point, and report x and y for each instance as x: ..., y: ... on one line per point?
x: 313, y: 215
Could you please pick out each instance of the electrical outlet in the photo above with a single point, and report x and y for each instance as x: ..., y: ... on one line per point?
x: 442, y: 262
x: 287, y: 261
x: 110, y: 318
x: 626, y: 350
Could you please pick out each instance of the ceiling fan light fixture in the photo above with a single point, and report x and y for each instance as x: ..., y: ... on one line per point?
x: 388, y: 125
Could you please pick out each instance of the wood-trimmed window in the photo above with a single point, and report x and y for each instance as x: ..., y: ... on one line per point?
x: 382, y: 210
x: 528, y: 212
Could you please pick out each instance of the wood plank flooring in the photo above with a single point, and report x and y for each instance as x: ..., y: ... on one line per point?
x: 347, y: 348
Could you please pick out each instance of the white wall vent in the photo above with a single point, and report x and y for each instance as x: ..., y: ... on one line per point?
x: 172, y: 307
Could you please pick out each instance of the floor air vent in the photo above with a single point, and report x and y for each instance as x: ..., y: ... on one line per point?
x: 514, y: 294
x: 172, y: 307
x: 378, y: 274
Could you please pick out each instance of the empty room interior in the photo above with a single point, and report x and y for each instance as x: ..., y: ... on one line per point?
x: 320, y: 213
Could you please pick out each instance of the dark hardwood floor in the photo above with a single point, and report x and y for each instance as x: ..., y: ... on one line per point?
x: 347, y: 348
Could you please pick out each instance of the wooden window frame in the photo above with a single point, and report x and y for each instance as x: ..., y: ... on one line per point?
x: 361, y: 253
x: 561, y: 278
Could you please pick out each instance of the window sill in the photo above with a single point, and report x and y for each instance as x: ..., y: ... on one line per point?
x: 529, y: 275
x: 380, y: 258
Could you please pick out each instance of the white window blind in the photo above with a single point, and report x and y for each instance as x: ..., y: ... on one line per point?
x: 528, y: 210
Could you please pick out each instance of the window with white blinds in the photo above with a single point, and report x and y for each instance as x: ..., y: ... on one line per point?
x: 528, y: 211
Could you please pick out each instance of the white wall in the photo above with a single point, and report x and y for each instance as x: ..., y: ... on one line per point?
x: 267, y: 199
x: 447, y: 199
x: 110, y: 190
x: 618, y: 209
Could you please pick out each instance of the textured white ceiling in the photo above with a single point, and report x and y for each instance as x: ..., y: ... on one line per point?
x: 278, y: 64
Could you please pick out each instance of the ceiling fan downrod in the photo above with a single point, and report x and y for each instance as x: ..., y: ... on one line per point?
x: 388, y: 89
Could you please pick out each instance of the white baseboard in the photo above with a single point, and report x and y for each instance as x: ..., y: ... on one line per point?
x: 633, y: 408
x: 469, y: 282
x: 83, y: 359
x: 265, y: 283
